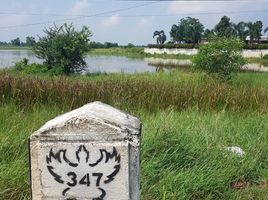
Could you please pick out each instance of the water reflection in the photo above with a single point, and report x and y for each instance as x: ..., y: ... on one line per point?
x: 115, y: 64
x: 257, y: 67
x: 169, y: 64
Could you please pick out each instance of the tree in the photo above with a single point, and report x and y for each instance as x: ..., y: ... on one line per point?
x: 241, y: 30
x: 130, y: 45
x: 225, y: 28
x: 175, y: 34
x: 63, y: 48
x: 266, y: 29
x: 222, y: 57
x: 192, y: 29
x: 257, y: 30
x: 110, y: 45
x: 188, y: 30
x: 250, y: 31
x: 30, y: 41
x: 254, y: 30
x: 208, y: 34
x: 161, y: 37
x: 16, y: 42
x: 96, y: 45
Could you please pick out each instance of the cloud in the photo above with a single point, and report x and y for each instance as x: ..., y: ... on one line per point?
x: 111, y: 21
x: 210, y: 12
x: 176, y: 7
x: 79, y: 7
x: 145, y: 21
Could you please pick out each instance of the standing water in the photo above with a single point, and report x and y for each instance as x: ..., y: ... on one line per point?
x: 115, y: 64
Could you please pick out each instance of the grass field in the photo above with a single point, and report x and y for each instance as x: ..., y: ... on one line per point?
x: 183, y: 153
x: 188, y: 121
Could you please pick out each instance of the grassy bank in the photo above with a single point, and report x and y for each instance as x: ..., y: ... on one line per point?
x: 188, y: 121
x: 179, y: 90
x: 183, y: 153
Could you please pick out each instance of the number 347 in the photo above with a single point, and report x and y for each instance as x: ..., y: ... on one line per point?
x: 83, y: 181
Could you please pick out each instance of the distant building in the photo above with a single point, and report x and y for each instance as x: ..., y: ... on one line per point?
x: 263, y: 39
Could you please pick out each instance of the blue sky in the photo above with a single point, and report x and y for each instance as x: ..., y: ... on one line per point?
x: 134, y: 25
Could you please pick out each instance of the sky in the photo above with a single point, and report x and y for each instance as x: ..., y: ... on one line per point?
x: 122, y: 21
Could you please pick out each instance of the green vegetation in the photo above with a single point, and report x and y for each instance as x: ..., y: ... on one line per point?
x: 189, y: 118
x: 256, y: 46
x: 63, y: 49
x: 265, y: 57
x: 191, y: 31
x: 129, y: 52
x: 188, y: 30
x: 221, y: 57
x: 160, y: 37
x: 179, y: 90
x: 188, y: 121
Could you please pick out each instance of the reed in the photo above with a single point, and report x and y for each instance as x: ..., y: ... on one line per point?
x: 148, y: 92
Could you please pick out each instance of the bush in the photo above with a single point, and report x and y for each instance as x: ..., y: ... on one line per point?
x: 63, y: 48
x: 20, y: 65
x: 24, y: 67
x: 130, y: 45
x: 265, y: 56
x: 221, y: 57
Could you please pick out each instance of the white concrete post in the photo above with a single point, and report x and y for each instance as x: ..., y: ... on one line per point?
x: 91, y: 153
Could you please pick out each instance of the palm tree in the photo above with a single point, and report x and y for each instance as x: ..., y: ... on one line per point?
x: 250, y: 26
x: 266, y: 29
x: 161, y: 37
x: 241, y: 30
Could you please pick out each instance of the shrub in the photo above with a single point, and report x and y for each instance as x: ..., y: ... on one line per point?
x: 20, y: 65
x: 221, y: 57
x: 130, y: 45
x: 63, y: 48
x: 265, y: 56
x: 25, y: 67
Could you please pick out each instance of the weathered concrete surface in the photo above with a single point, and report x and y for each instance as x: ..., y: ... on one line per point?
x: 247, y: 53
x: 89, y: 153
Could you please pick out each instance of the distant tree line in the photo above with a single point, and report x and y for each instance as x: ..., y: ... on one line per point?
x: 191, y: 31
x: 99, y: 45
x: 30, y: 41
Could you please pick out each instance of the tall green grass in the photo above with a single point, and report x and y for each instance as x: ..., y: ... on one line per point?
x: 183, y: 153
x: 180, y: 91
x: 184, y: 156
x: 188, y: 121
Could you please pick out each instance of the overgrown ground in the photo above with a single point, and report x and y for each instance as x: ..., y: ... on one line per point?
x: 188, y: 121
